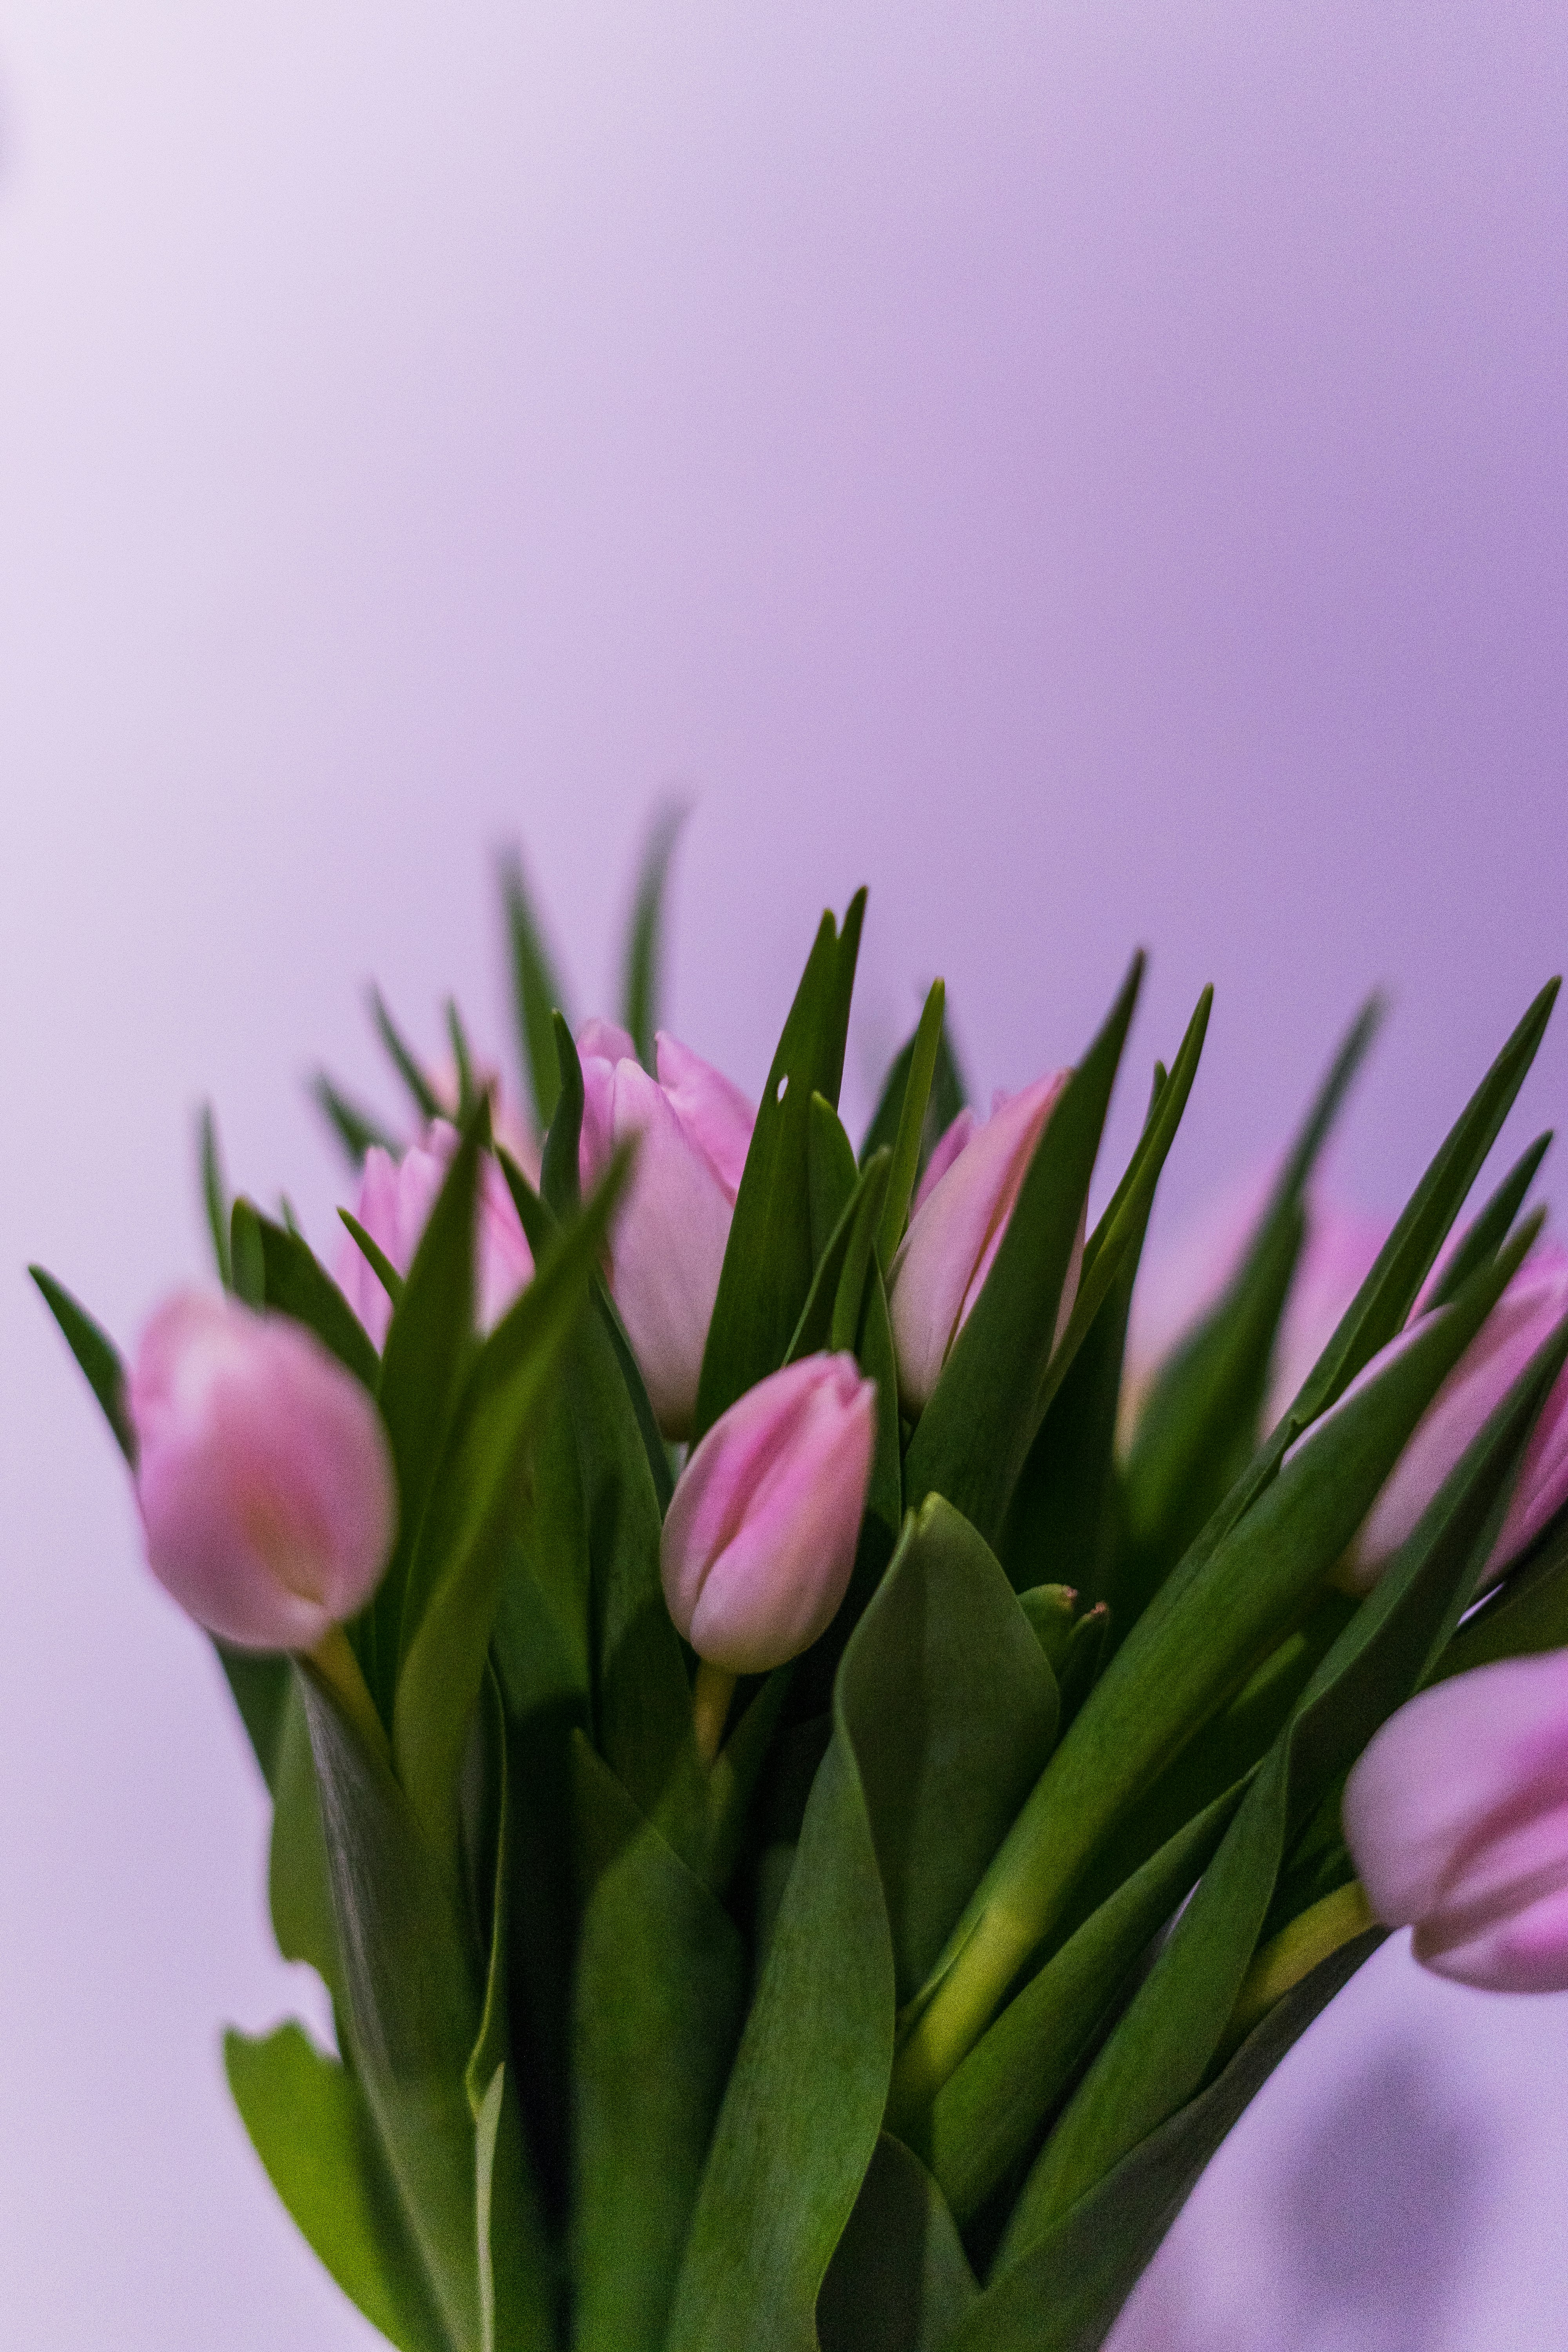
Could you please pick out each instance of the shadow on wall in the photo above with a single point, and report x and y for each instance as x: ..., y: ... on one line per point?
x: 1365, y: 2236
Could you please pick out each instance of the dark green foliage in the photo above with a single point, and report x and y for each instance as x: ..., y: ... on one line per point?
x: 643, y: 970
x: 537, y: 993
x: 357, y: 1131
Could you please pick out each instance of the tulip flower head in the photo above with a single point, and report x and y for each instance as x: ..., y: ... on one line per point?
x: 395, y: 1198
x: 760, y: 1537
x: 960, y: 1212
x: 692, y: 1130
x: 263, y: 1474
x: 1457, y: 1817
x: 1530, y: 1308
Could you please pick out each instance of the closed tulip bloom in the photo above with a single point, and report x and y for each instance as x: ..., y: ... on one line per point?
x: 395, y: 1198
x: 1457, y: 1817
x: 961, y: 1213
x: 692, y: 1131
x: 759, y: 1536
x: 1529, y: 1310
x: 263, y: 1474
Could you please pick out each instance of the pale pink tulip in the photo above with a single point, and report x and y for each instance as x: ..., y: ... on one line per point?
x: 759, y: 1540
x: 1529, y: 1310
x: 692, y: 1131
x: 266, y: 1485
x: 395, y: 1198
x: 1181, y: 1283
x: 961, y: 1214
x: 1457, y: 1817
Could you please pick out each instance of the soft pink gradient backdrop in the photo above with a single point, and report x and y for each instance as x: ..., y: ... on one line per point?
x: 1097, y: 475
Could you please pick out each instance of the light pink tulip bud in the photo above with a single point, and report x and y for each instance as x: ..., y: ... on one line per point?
x: 266, y: 1485
x: 1181, y: 1284
x: 693, y: 1130
x: 759, y: 1536
x: 1530, y: 1308
x: 956, y: 1231
x: 395, y: 1198
x: 1457, y: 1817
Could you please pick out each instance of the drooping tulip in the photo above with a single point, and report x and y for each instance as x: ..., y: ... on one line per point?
x: 1529, y: 1310
x: 1181, y: 1284
x: 1457, y: 1817
x: 759, y: 1536
x: 263, y: 1474
x: 395, y: 1198
x: 692, y: 1130
x: 960, y: 1212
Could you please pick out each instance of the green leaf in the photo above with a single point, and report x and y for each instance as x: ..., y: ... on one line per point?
x: 1379, y: 1307
x: 375, y: 1257
x: 425, y: 1101
x: 814, y: 1329
x: 906, y: 1160
x: 830, y: 1173
x: 258, y: 1684
x: 945, y: 1665
x: 247, y: 1257
x: 640, y: 986
x: 1526, y: 1614
x: 1064, y: 2294
x: 1193, y: 1648
x: 430, y: 1344
x: 539, y: 1225
x: 1491, y: 1228
x: 803, y: 2107
x: 900, y: 2280
x: 770, y: 1259
x: 412, y: 2002
x: 96, y: 1355
x: 463, y: 1062
x: 949, y: 1095
x: 214, y: 1195
x: 659, y: 1998
x: 1161, y: 2051
x: 537, y: 993
x: 357, y: 1131
x: 310, y: 2125
x: 455, y: 1575
x: 971, y: 1442
x: 514, y: 2267
x: 294, y: 1282
x: 989, y: 2114
x: 559, y: 1180
x: 1199, y: 1429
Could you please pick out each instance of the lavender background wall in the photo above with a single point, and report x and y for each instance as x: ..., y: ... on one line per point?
x: 1097, y: 474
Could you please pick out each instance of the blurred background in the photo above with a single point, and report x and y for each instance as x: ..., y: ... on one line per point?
x: 1097, y: 475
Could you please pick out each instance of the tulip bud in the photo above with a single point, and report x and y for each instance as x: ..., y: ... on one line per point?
x: 266, y: 1485
x: 1530, y: 1308
x: 761, y: 1533
x: 693, y: 1130
x: 1457, y: 1817
x: 961, y: 1213
x: 395, y: 1198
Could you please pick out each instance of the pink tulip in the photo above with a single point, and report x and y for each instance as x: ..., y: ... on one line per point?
x: 266, y: 1485
x: 395, y: 1198
x: 961, y: 1213
x: 1529, y: 1310
x: 1179, y: 1286
x: 759, y: 1536
x: 1457, y: 1817
x: 693, y: 1130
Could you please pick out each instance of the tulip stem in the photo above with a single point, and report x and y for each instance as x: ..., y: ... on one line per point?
x: 334, y: 1661
x: 710, y: 1707
x: 1294, y: 1953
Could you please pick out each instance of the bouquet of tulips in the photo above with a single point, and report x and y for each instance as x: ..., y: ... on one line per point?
x: 824, y: 1736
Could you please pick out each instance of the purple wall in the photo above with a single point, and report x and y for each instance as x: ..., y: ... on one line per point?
x: 1097, y: 475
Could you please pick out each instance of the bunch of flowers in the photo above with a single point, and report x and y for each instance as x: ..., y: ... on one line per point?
x: 826, y: 1736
